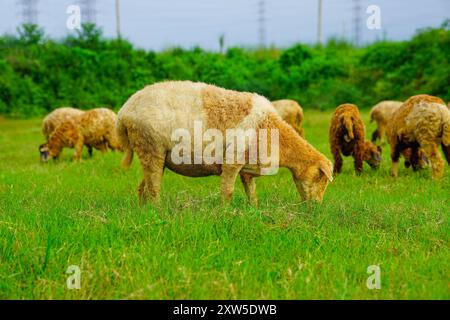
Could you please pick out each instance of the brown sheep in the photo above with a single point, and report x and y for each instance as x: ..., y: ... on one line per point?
x: 94, y: 128
x: 147, y: 122
x: 423, y: 121
x: 381, y: 114
x: 347, y: 137
x: 56, y: 117
x: 291, y: 112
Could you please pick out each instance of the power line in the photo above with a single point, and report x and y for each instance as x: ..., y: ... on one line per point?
x: 88, y: 11
x: 262, y: 23
x: 29, y: 11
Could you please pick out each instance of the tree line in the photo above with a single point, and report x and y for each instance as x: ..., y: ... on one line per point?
x: 86, y: 70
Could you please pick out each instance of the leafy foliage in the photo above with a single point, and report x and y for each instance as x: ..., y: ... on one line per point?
x: 86, y: 70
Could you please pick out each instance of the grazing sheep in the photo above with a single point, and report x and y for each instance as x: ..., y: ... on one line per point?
x: 94, y: 128
x: 291, y: 112
x: 423, y: 121
x: 382, y: 113
x: 347, y: 136
x: 147, y: 121
x: 56, y: 117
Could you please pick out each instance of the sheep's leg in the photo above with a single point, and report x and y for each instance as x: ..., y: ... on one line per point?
x: 142, y: 196
x: 153, y: 165
x: 382, y: 133
x: 78, y: 149
x: 90, y: 151
x: 432, y: 152
x: 375, y: 135
x: 358, y: 158
x: 415, y: 159
x: 337, y: 159
x: 227, y: 180
x: 250, y: 187
x: 358, y: 163
x: 395, y: 157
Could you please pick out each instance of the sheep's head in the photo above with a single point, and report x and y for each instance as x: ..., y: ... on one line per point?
x: 44, y: 152
x: 372, y: 154
x: 47, y: 153
x: 311, y: 182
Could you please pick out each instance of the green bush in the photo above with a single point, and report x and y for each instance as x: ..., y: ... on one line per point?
x: 86, y: 70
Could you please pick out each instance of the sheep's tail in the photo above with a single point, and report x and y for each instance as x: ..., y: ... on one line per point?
x: 122, y: 134
x: 348, y: 124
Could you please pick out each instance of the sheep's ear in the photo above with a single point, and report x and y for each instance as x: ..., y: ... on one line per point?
x: 327, y: 170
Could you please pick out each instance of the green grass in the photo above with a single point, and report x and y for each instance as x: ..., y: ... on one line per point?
x: 86, y: 214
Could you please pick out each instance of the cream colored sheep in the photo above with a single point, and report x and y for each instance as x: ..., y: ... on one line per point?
x: 147, y: 122
x: 291, y: 112
x: 56, y: 117
x: 94, y: 128
x: 423, y: 121
x: 381, y: 113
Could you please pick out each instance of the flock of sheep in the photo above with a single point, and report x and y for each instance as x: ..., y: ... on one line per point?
x: 73, y: 128
x: 145, y: 124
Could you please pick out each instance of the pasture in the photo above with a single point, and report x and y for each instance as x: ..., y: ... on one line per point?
x: 86, y: 214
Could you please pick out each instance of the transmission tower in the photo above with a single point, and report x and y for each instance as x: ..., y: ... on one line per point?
x: 262, y: 23
x: 88, y: 11
x: 319, y: 23
x: 29, y: 11
x: 118, y: 19
x: 357, y: 22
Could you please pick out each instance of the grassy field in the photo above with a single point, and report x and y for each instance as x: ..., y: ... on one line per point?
x: 86, y: 214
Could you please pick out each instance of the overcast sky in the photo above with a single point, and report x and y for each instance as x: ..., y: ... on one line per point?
x: 158, y: 24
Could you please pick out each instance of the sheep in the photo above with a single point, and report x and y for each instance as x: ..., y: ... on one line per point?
x: 347, y: 136
x: 291, y: 112
x: 423, y: 121
x: 94, y: 128
x: 382, y: 113
x: 56, y: 117
x: 147, y: 121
